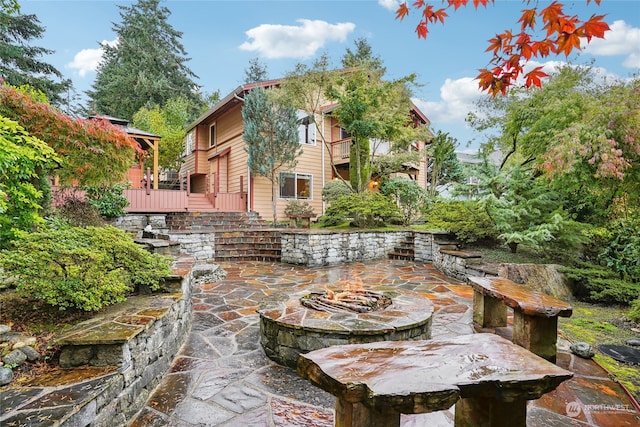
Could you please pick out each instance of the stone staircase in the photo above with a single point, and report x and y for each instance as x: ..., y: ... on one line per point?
x: 248, y: 245
x: 405, y: 249
x: 213, y: 221
x: 237, y: 236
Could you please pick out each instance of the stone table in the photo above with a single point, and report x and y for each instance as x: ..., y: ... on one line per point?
x: 535, y: 314
x: 375, y: 383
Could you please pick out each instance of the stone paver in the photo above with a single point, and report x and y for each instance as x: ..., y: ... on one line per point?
x: 223, y: 378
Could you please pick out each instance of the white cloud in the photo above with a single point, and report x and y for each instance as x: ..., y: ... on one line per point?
x: 391, y: 5
x: 87, y: 60
x: 622, y: 39
x: 287, y: 41
x: 457, y: 99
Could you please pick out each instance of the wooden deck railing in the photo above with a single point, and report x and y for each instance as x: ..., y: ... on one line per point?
x: 141, y: 200
x: 340, y: 150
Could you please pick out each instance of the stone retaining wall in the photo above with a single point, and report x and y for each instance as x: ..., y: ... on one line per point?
x: 201, y: 246
x: 317, y: 248
x: 142, y: 359
x: 335, y: 247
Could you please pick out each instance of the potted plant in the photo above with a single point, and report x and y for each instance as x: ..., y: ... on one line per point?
x: 299, y: 211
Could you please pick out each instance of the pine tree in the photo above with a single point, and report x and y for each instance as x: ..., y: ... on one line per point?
x: 362, y: 57
x: 20, y: 62
x: 147, y: 66
x: 256, y: 72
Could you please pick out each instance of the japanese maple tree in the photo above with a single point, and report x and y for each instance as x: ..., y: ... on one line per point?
x: 91, y: 152
x: 561, y: 34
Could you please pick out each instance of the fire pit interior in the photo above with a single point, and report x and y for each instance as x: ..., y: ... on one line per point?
x: 308, y: 319
x: 342, y: 301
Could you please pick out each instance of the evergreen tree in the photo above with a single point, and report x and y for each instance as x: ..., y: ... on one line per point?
x: 256, y: 72
x: 146, y: 67
x: 20, y: 63
x: 271, y: 135
x: 362, y: 57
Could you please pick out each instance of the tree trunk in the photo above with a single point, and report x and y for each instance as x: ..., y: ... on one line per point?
x: 274, y: 200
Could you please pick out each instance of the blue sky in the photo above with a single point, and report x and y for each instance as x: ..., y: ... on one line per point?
x: 222, y: 36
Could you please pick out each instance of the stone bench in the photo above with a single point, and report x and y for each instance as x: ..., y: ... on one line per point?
x: 535, y: 314
x: 487, y: 377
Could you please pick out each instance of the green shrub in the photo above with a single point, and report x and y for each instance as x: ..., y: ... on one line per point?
x: 622, y: 253
x: 363, y: 210
x: 332, y: 190
x: 78, y: 212
x: 411, y: 198
x: 81, y: 268
x: 109, y: 201
x: 599, y: 284
x: 464, y: 218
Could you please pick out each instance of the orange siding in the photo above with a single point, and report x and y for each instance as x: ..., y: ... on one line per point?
x: 309, y: 162
x: 224, y: 166
x: 189, y: 163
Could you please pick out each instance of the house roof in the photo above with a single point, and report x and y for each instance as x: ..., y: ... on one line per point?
x: 230, y: 100
x: 142, y: 137
x: 236, y: 96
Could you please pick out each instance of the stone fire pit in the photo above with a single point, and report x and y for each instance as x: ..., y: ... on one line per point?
x: 288, y: 328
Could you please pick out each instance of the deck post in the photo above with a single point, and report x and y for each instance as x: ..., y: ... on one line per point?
x: 147, y: 184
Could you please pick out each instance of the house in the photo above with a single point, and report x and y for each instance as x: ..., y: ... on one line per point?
x: 215, y: 158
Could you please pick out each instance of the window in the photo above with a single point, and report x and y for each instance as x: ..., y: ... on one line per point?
x: 295, y: 185
x: 380, y: 146
x: 190, y: 144
x: 212, y: 135
x: 344, y: 134
x: 306, y: 129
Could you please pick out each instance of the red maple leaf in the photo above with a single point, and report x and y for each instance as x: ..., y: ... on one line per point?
x: 528, y: 18
x: 595, y: 27
x: 533, y: 77
x: 422, y: 30
x: 402, y: 11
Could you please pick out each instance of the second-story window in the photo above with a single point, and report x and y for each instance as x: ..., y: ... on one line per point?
x: 212, y: 135
x: 190, y: 143
x: 306, y: 129
x: 344, y: 134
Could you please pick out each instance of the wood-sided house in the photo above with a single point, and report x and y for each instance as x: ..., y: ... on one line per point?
x: 215, y: 158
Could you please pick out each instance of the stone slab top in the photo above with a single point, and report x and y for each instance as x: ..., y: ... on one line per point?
x: 424, y: 376
x: 407, y: 310
x: 521, y: 297
x: 461, y: 254
x: 120, y: 323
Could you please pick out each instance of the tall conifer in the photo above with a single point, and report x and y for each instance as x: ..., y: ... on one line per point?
x: 146, y: 67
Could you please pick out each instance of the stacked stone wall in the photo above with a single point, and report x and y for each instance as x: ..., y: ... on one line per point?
x: 330, y: 248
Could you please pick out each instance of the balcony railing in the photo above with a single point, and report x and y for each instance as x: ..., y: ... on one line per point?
x: 340, y: 151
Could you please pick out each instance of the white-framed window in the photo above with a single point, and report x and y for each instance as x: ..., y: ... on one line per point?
x: 380, y: 146
x: 306, y: 129
x: 212, y: 135
x: 190, y: 143
x: 295, y: 185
